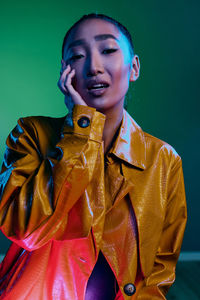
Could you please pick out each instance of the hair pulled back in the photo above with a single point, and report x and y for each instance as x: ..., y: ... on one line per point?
x: 121, y: 28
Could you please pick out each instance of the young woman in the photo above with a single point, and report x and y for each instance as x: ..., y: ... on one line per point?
x: 95, y: 207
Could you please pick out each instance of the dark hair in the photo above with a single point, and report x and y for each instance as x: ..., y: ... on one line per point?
x: 121, y: 27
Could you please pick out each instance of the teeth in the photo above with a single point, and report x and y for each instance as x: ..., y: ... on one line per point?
x: 98, y: 86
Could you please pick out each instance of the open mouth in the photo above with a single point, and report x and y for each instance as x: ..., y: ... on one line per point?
x: 98, y: 86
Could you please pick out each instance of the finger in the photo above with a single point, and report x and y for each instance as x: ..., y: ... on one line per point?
x: 63, y: 66
x: 63, y: 63
x: 77, y: 99
x: 62, y: 88
x: 65, y: 72
x: 62, y: 78
x: 65, y: 85
x: 68, y: 82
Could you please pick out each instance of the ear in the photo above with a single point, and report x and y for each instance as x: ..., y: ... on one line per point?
x: 135, y: 68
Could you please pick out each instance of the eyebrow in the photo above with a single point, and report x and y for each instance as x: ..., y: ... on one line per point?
x: 99, y: 37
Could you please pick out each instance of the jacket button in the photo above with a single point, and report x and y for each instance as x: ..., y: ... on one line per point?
x: 129, y: 289
x: 84, y: 122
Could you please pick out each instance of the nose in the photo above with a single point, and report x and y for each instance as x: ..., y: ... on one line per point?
x: 94, y: 64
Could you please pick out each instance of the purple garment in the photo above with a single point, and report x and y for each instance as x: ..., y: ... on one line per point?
x: 102, y: 284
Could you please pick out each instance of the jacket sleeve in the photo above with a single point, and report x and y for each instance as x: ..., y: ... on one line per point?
x: 156, y: 285
x: 37, y: 192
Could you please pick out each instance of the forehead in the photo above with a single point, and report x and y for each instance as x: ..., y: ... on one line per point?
x: 92, y: 27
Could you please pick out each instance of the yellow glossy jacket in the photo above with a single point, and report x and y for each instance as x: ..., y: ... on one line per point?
x: 59, y: 214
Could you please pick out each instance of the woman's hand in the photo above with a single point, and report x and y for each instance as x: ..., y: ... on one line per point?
x: 72, y: 97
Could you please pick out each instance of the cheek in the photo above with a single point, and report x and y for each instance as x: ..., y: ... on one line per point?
x: 121, y: 74
x: 77, y: 79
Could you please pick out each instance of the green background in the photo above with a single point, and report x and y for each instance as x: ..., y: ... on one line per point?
x: 164, y: 101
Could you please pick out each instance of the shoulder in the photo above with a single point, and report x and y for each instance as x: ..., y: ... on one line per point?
x: 40, y: 125
x: 157, y: 144
x: 160, y: 153
x: 156, y: 150
x: 43, y: 132
x: 41, y: 122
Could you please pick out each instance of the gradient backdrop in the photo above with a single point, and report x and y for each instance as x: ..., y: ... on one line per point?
x: 164, y: 101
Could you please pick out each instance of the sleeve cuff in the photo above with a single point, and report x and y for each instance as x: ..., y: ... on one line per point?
x: 85, y: 121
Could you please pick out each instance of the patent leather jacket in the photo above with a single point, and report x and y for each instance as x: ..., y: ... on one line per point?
x: 55, y: 209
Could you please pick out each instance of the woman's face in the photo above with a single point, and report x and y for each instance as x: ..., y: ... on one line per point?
x: 100, y: 55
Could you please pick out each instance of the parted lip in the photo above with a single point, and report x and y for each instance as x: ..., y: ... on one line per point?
x: 94, y: 82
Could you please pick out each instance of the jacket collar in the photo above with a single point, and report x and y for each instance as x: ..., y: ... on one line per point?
x: 130, y: 145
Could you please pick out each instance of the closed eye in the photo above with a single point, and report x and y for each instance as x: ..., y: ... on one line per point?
x: 109, y: 50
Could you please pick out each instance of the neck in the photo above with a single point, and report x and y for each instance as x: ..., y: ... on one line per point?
x: 112, y: 123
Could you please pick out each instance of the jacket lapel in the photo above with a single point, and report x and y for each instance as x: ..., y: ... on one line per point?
x: 130, y: 145
x: 130, y: 148
x: 116, y: 186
